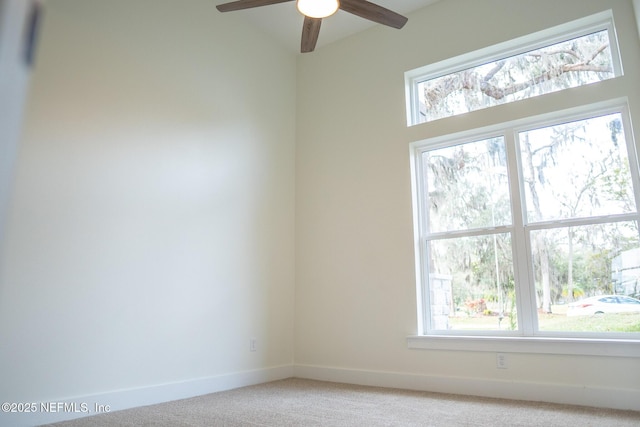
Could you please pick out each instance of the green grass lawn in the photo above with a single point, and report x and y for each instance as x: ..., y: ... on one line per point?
x: 557, y: 321
x: 622, y: 322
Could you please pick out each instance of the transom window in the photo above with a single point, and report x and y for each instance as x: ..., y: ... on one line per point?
x: 576, y: 54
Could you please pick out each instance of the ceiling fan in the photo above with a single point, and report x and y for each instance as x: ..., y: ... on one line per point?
x: 315, y: 10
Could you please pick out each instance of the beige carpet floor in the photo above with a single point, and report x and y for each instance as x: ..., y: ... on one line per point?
x: 299, y: 402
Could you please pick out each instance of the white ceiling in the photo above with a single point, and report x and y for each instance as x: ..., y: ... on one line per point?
x: 284, y: 23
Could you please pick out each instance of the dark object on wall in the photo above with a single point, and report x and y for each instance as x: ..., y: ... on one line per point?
x: 31, y: 32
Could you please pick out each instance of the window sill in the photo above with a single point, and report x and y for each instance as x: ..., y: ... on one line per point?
x: 539, y: 345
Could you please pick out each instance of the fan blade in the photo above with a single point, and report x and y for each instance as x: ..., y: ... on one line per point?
x: 373, y: 12
x: 246, y: 4
x: 310, y: 32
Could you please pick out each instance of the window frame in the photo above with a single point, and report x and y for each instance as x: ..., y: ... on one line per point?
x: 577, y: 28
x: 528, y: 338
x: 604, y: 95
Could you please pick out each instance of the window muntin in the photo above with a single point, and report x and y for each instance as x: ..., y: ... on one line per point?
x: 514, y: 278
x: 575, y: 54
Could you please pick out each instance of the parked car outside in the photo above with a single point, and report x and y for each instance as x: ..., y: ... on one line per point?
x: 603, y: 304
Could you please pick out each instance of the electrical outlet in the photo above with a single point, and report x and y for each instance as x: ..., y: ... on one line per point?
x: 253, y: 344
x: 501, y: 361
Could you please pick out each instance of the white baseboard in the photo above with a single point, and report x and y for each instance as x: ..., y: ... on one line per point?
x: 125, y: 399
x: 614, y: 398
x: 67, y: 409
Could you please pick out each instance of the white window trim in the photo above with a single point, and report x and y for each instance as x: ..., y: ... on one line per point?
x: 526, y: 339
x: 530, y: 345
x: 580, y: 27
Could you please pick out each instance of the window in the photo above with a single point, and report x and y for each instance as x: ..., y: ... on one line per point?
x: 575, y: 54
x: 529, y: 229
x: 521, y: 224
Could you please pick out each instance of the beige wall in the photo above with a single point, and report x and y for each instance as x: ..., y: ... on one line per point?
x: 150, y: 232
x: 355, y: 282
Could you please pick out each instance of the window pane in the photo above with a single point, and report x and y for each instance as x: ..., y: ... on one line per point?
x: 625, y: 273
x: 467, y: 186
x: 574, y: 264
x: 471, y: 283
x: 577, y: 169
x: 572, y: 63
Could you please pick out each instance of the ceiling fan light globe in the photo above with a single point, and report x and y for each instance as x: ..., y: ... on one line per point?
x: 317, y: 8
